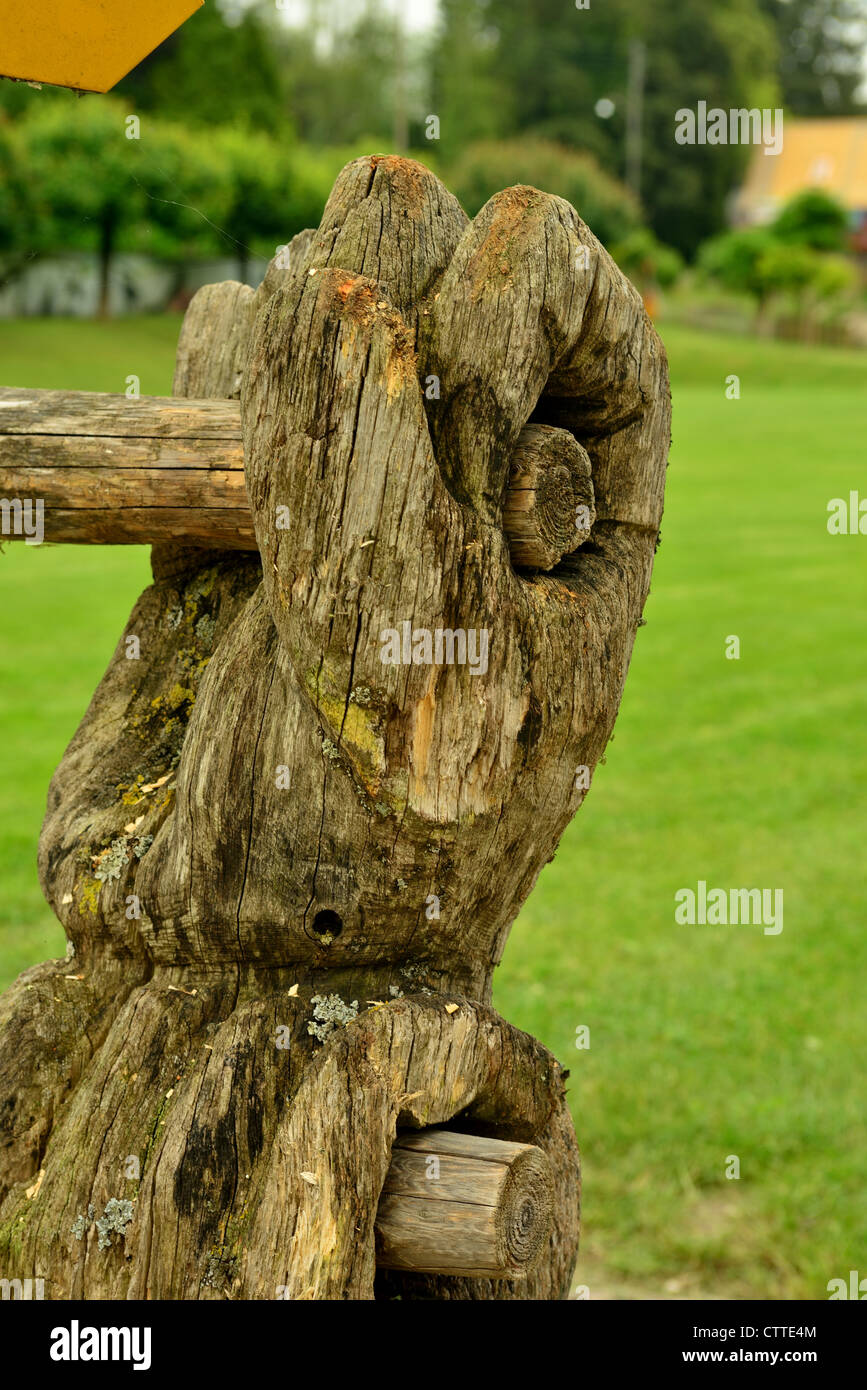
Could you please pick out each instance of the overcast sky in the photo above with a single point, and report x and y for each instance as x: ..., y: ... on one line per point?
x: 418, y: 14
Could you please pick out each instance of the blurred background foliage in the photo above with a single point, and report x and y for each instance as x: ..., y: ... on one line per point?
x: 247, y: 114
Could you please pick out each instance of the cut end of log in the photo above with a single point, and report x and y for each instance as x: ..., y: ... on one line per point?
x: 550, y: 505
x: 464, y: 1205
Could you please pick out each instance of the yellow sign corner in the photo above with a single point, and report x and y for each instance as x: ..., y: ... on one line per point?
x: 86, y: 44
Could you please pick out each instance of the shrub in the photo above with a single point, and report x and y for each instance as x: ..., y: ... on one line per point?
x: 813, y: 219
x: 647, y: 261
x: 735, y: 259
x: 605, y: 204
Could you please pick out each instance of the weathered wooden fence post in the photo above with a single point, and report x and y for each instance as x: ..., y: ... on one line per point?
x: 318, y: 780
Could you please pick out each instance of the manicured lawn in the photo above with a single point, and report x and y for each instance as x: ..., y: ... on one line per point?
x: 705, y: 1041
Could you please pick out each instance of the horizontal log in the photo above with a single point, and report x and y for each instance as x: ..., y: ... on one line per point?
x: 105, y: 414
x: 209, y: 528
x: 119, y: 470
x: 464, y: 1205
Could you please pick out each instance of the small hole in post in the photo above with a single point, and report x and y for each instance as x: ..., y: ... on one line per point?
x: 327, y: 924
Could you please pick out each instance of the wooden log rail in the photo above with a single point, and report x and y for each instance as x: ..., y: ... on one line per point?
x: 463, y: 1205
x: 116, y: 470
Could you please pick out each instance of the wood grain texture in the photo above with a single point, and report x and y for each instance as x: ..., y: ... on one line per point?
x: 549, y: 507
x: 106, y: 415
x: 463, y: 1204
x: 328, y: 850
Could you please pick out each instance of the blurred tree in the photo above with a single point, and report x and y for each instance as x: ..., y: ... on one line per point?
x: 542, y: 67
x: 212, y: 71
x: 71, y: 179
x: 759, y: 263
x: 787, y: 267
x: 271, y: 191
x: 469, y: 92
x: 504, y: 67
x: 646, y: 261
x: 354, y: 74
x: 736, y: 261
x: 18, y: 215
x: 834, y: 275
x: 340, y: 94
x: 484, y: 168
x: 95, y: 189
x: 808, y: 279
x: 822, y: 45
x: 725, y: 55
x: 814, y: 219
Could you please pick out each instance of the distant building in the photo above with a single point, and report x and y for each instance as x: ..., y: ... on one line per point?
x: 826, y: 153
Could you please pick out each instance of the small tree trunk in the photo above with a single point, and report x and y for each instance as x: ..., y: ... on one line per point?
x: 107, y: 229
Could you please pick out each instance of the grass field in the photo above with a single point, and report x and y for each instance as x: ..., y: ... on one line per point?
x: 705, y: 1042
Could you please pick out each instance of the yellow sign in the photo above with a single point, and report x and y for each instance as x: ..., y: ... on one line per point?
x: 86, y: 44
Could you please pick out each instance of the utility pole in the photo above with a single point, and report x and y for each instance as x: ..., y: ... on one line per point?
x: 634, y: 113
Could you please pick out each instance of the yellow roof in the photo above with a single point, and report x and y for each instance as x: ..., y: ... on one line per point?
x: 828, y: 153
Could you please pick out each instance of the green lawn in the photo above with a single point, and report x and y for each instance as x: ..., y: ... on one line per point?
x: 705, y: 1041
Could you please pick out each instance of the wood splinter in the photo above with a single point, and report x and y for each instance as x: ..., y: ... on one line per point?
x: 464, y: 1205
x: 114, y: 470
